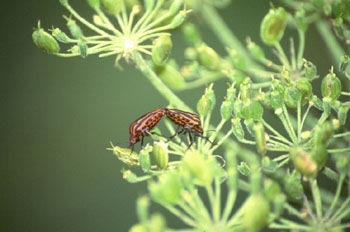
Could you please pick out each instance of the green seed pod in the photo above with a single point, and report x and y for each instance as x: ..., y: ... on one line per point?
x: 256, y: 210
x: 320, y: 155
x: 226, y: 110
x: 255, y: 50
x: 160, y: 154
x: 175, y: 6
x: 139, y: 228
x: 305, y: 87
x: 260, y: 138
x: 331, y: 86
x: 343, y: 164
x: 237, y: 59
x: 245, y: 90
x: 244, y: 169
x: 178, y: 19
x: 60, y: 35
x: 344, y: 65
x: 112, y: 6
x: 142, y: 207
x: 300, y: 20
x: 45, y: 41
x: 276, y: 99
x: 293, y: 187
x: 208, y: 58
x: 342, y: 114
x: 231, y: 93
x: 237, y: 128
x: 95, y: 4
x: 273, y: 26
x: 200, y: 169
x: 74, y: 29
x: 170, y: 76
x: 161, y: 49
x: 271, y: 189
x: 191, y: 34
x: 157, y: 223
x: 323, y: 133
x: 145, y: 159
x: 292, y: 96
x: 252, y: 110
x: 310, y: 70
x: 303, y: 162
x: 207, y: 101
x: 167, y: 190
x: 83, y: 49
x: 126, y: 156
x: 130, y: 176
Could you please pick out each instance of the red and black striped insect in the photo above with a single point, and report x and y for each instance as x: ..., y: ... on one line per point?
x: 188, y: 123
x: 142, y: 126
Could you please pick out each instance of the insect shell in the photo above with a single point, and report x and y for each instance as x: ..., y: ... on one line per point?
x: 142, y: 126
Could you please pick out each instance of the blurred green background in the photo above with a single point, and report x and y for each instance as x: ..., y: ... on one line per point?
x: 59, y: 115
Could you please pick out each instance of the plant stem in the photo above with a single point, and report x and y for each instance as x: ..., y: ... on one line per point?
x: 317, y: 199
x: 158, y: 84
x: 330, y: 41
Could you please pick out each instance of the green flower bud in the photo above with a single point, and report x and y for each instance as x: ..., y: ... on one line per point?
x: 276, y: 99
x: 252, y: 110
x: 260, y: 138
x: 161, y: 49
x: 320, y: 155
x: 170, y: 76
x: 191, y: 34
x: 202, y: 170
x: 305, y: 87
x: 273, y: 26
x: 226, y: 110
x: 331, y: 86
x: 60, y: 35
x: 208, y: 57
x: 83, y: 49
x: 167, y: 190
x: 139, y: 228
x: 293, y: 187
x: 310, y: 70
x: 157, y: 223
x: 292, y: 96
x: 112, y: 6
x: 178, y: 19
x: 245, y: 89
x: 256, y: 210
x: 160, y: 154
x: 342, y: 114
x: 94, y: 3
x: 231, y: 93
x: 255, y: 50
x: 237, y: 128
x: 207, y: 101
x: 145, y: 159
x: 45, y: 41
x: 244, y: 169
x: 303, y: 162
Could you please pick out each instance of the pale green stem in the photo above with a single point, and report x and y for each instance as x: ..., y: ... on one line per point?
x: 301, y: 48
x: 282, y: 55
x: 181, y: 215
x: 330, y: 41
x: 224, y: 33
x: 336, y: 197
x: 278, y: 135
x: 339, y: 150
x: 84, y: 21
x: 217, y: 204
x: 158, y: 84
x: 231, y: 198
x: 342, y: 210
x: 317, y: 199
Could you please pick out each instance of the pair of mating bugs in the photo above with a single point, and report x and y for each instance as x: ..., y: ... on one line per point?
x: 187, y: 123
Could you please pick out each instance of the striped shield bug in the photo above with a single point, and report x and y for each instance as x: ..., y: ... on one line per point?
x: 188, y: 123
x: 142, y: 126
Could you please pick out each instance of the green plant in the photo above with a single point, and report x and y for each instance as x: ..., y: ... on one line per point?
x: 276, y: 139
